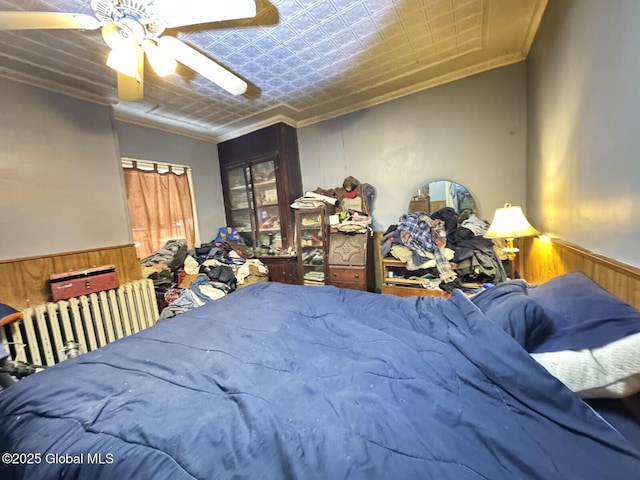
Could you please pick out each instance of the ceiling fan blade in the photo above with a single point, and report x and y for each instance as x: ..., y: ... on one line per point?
x: 47, y: 20
x: 206, y: 67
x: 192, y: 12
x: 131, y: 88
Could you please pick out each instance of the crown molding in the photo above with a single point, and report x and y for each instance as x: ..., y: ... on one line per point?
x: 52, y: 86
x: 490, y: 64
x: 164, y: 126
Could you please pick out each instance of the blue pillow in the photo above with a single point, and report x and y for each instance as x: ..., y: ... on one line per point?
x: 584, y: 314
x: 509, y: 305
x: 6, y: 310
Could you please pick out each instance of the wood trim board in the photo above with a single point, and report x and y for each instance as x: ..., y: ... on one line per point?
x: 543, y: 258
x: 24, y: 282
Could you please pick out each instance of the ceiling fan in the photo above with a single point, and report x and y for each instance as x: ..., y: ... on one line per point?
x: 133, y: 29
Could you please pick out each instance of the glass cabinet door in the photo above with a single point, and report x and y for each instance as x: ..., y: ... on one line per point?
x: 311, y: 246
x: 240, y: 201
x: 265, y: 196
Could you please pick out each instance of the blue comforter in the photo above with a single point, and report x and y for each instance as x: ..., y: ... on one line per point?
x: 278, y: 381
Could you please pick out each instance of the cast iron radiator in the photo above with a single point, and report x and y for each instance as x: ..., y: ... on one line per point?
x: 54, y: 331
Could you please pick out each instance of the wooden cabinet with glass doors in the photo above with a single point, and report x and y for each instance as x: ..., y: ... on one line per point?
x: 260, y: 175
x: 312, y: 233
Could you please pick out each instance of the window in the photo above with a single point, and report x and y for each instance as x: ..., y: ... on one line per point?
x: 161, y: 207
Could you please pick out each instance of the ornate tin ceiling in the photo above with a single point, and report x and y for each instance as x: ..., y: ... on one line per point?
x: 305, y: 60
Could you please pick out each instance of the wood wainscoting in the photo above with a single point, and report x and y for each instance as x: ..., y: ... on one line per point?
x: 24, y: 282
x: 542, y: 259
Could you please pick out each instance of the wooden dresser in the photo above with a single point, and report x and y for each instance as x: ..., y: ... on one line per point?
x: 350, y: 262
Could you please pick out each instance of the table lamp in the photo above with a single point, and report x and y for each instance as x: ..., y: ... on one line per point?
x: 510, y: 223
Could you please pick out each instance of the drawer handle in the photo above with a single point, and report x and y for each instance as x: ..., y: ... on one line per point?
x: 335, y: 274
x: 357, y: 275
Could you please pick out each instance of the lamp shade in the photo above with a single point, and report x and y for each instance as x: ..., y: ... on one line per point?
x: 510, y: 222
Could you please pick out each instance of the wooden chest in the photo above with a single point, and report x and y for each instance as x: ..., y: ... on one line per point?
x: 83, y: 282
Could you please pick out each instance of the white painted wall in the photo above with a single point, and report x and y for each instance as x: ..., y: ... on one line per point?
x: 583, y: 138
x: 472, y: 131
x: 60, y: 182
x: 149, y: 144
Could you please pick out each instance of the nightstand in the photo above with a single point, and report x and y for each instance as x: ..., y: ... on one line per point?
x: 350, y: 262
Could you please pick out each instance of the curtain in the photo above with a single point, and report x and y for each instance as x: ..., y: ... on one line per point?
x: 160, y: 208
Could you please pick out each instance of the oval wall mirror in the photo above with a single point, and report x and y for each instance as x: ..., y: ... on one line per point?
x: 439, y: 194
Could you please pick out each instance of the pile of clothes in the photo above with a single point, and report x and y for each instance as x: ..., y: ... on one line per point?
x: 185, y: 279
x: 432, y: 245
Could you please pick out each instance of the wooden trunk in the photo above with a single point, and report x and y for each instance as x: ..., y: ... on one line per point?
x: 83, y: 282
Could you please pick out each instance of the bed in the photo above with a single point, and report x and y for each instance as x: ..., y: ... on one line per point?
x: 281, y: 381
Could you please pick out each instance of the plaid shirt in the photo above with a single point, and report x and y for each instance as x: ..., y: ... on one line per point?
x: 423, y: 235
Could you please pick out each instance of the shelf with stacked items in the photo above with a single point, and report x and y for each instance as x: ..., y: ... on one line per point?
x: 397, y: 280
x: 312, y: 228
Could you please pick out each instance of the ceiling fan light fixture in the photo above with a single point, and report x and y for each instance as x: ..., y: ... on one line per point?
x: 131, y: 28
x: 160, y: 60
x: 123, y: 60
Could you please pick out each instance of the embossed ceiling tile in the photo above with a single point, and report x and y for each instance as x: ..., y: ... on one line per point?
x: 284, y: 33
x: 344, y: 37
x: 441, y: 19
x: 280, y: 69
x: 313, y: 56
x: 269, y: 42
x: 469, y: 8
x: 416, y: 29
x: 438, y: 5
x: 334, y: 25
x: 326, y: 45
x: 426, y: 54
x: 448, y: 49
x: 236, y: 39
x: 354, y: 13
x: 472, y: 36
x: 300, y: 70
x: 420, y: 44
x: 277, y: 84
x: 412, y: 12
x: 375, y: 6
x: 339, y: 62
x: 317, y: 62
x: 252, y: 33
x: 286, y: 7
x: 322, y: 10
x: 395, y: 37
x: 262, y: 77
x: 301, y: 22
x: 315, y: 35
x: 443, y: 32
x: 236, y: 59
x: 470, y: 23
x: 298, y: 44
x: 387, y: 18
x: 290, y: 61
x: 221, y: 50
